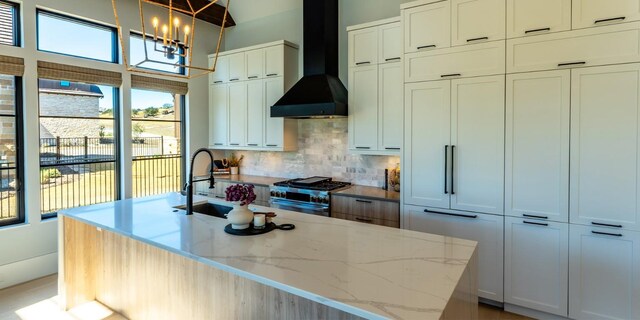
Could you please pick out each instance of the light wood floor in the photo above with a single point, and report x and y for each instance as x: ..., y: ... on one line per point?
x: 37, y: 300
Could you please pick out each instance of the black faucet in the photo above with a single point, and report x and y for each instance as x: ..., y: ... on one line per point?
x: 189, y: 186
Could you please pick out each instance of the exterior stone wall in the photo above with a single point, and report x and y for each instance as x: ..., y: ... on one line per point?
x: 7, y: 124
x: 322, y: 151
x: 57, y: 104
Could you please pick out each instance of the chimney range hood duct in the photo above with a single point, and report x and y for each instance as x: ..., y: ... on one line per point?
x: 319, y: 94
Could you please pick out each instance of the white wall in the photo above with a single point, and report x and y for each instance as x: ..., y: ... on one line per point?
x: 29, y: 250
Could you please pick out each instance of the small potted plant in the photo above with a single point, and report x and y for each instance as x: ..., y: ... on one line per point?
x: 241, y: 195
x: 234, y: 163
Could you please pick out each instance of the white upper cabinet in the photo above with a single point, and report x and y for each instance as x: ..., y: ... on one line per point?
x: 427, y: 139
x: 221, y: 73
x: 237, y: 67
x: 477, y: 136
x: 274, y: 61
x: 531, y: 17
x: 390, y: 43
x: 238, y: 114
x: 537, y: 145
x: 255, y: 113
x: 589, y: 13
x: 463, y: 61
x: 604, y: 273
x: 477, y: 20
x: 219, y: 115
x: 273, y: 90
x: 427, y: 27
x: 255, y: 64
x: 390, y: 100
x: 605, y: 142
x: 578, y: 48
x: 363, y: 108
x: 363, y: 47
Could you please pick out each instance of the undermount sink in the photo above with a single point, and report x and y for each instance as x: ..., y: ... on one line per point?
x: 210, y: 209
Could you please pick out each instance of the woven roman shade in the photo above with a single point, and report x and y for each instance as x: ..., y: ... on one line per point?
x: 57, y: 71
x: 148, y: 83
x: 11, y: 66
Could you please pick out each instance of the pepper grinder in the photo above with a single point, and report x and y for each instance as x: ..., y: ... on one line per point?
x: 385, y: 185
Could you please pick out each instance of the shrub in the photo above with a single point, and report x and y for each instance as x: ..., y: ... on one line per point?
x: 49, y: 173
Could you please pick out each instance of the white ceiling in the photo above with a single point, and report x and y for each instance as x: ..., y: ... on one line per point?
x: 247, y: 10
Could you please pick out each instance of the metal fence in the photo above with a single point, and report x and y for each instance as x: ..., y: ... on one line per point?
x: 8, y: 207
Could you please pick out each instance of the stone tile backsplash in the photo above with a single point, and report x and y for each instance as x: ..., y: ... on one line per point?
x: 322, y: 151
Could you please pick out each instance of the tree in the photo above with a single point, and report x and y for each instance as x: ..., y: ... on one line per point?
x: 138, y: 129
x: 151, y: 112
x: 167, y: 106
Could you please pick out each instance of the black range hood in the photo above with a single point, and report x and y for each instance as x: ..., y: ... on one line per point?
x: 319, y: 94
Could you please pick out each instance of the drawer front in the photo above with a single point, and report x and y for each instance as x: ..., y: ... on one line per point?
x: 366, y: 208
x: 465, y: 61
x: 579, y: 48
x: 380, y: 222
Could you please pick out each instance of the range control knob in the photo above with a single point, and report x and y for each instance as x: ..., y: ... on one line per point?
x: 314, y: 199
x: 273, y: 193
x: 325, y: 200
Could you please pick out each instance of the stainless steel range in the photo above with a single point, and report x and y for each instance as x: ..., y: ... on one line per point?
x: 310, y: 195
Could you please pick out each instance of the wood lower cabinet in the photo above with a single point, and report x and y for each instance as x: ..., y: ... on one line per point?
x: 384, y: 213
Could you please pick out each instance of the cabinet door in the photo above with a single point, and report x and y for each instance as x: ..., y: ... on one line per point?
x: 537, y: 145
x: 363, y: 47
x: 477, y: 20
x: 255, y: 113
x: 237, y: 67
x: 477, y: 136
x: 274, y: 61
x: 427, y: 27
x: 391, y: 96
x: 589, y: 13
x: 219, y: 115
x: 255, y: 64
x: 427, y: 143
x: 238, y: 114
x: 274, y: 127
x: 221, y: 73
x: 536, y: 265
x: 604, y: 146
x: 390, y: 43
x: 604, y: 273
x: 363, y: 108
x: 486, y: 229
x: 531, y: 17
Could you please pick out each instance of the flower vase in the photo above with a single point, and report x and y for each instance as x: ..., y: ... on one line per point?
x: 240, y: 217
x: 234, y: 170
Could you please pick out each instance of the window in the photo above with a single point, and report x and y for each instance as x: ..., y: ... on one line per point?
x: 11, y: 196
x: 157, y: 131
x: 75, y: 37
x: 9, y: 23
x: 78, y: 144
x: 138, y: 55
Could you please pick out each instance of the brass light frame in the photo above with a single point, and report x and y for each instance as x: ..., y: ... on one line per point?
x: 187, y: 48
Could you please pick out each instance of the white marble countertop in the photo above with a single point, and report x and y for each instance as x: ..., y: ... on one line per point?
x: 371, y: 271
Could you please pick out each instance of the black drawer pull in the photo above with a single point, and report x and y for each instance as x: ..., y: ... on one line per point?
x: 537, y: 30
x: 218, y: 144
x: 450, y: 75
x: 363, y: 201
x: 253, y: 77
x: 219, y: 81
x: 272, y: 145
x: 392, y: 59
x: 609, y: 20
x: 477, y: 39
x: 234, y: 79
x: 221, y: 197
x: 364, y: 220
x: 364, y: 148
x: 253, y: 144
x: 452, y: 214
x: 536, y: 223
x: 607, y: 234
x: 390, y: 148
x: 234, y: 144
x: 361, y: 63
x: 606, y: 225
x: 272, y: 74
x: 571, y: 63
x: 534, y: 216
x: 429, y: 46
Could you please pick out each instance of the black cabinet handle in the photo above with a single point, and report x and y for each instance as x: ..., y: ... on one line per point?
x: 609, y: 20
x: 474, y: 216
x: 572, y: 63
x: 234, y: 79
x: 364, y: 220
x: 450, y: 75
x: 534, y: 216
x: 536, y: 223
x: 253, y: 77
x: 272, y: 145
x: 361, y: 63
x: 218, y: 144
x: 364, y: 148
x: 429, y: 46
x: 390, y: 148
x: 477, y: 39
x: 453, y: 148
x: 606, y: 225
x: 219, y: 81
x: 446, y: 160
x: 363, y: 201
x: 253, y: 144
x: 234, y: 144
x: 607, y: 234
x: 392, y: 59
x: 272, y: 74
x: 537, y: 30
x: 221, y: 197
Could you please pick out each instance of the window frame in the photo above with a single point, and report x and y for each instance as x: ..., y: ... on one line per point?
x: 115, y: 56
x: 181, y: 59
x: 19, y: 134
x: 17, y: 25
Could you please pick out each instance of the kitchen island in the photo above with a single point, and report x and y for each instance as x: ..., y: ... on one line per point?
x: 147, y: 260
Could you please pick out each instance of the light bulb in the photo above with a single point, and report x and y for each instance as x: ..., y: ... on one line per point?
x: 176, y: 22
x: 154, y: 21
x: 187, y: 29
x: 165, y: 29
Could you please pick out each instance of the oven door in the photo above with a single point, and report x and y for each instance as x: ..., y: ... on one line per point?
x: 298, y: 206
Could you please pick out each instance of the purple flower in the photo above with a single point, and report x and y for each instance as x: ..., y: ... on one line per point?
x: 241, y: 192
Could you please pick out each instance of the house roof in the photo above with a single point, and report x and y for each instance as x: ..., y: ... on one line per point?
x: 68, y: 87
